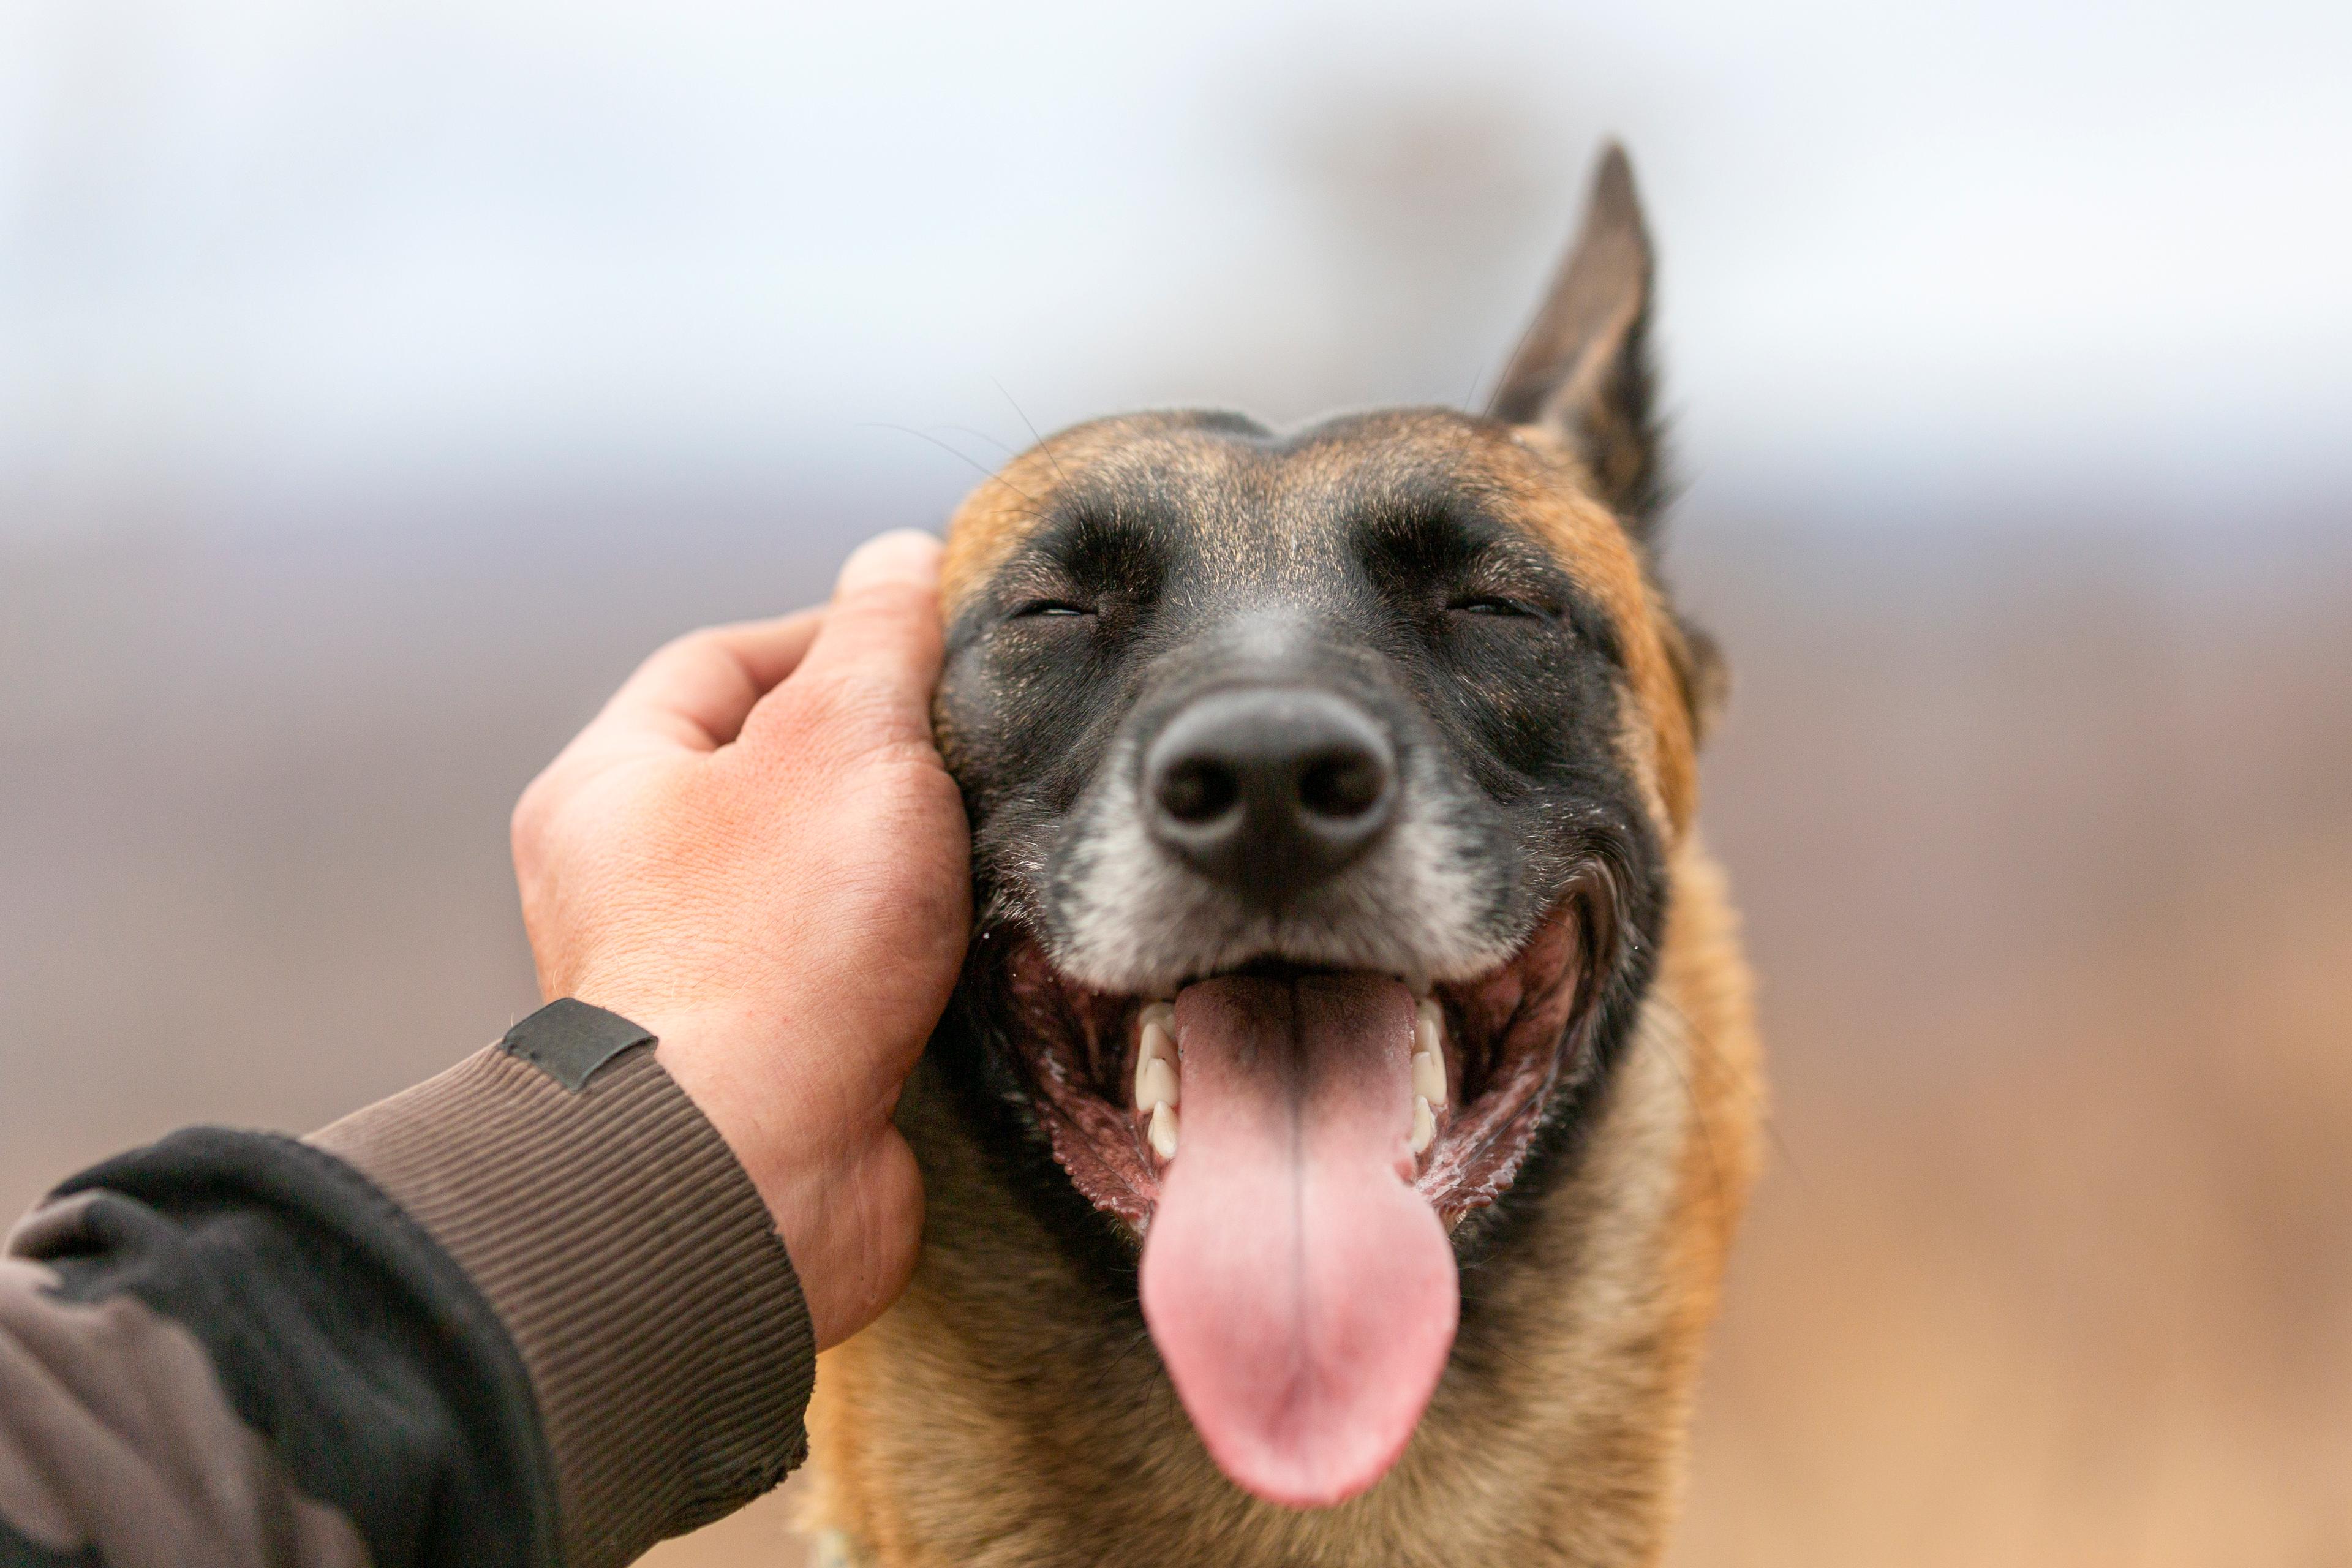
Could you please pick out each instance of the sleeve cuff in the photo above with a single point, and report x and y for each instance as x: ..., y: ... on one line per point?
x: 631, y: 1260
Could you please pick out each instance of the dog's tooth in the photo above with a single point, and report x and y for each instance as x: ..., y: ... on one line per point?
x: 1157, y: 1043
x: 1155, y: 1068
x: 1429, y: 1076
x: 1429, y: 1029
x: 1163, y: 1131
x: 1155, y: 1082
x: 1424, y: 1125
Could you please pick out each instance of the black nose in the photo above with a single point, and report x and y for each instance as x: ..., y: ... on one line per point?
x: 1269, y: 791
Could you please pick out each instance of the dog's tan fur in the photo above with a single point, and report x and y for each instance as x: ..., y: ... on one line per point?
x: 996, y: 1416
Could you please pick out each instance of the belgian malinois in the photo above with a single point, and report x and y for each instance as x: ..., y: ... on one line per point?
x: 1335, y: 1141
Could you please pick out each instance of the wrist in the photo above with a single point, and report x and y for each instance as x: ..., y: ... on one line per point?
x: 841, y: 1189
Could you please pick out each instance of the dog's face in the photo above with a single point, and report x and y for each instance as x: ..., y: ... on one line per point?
x: 1322, y: 786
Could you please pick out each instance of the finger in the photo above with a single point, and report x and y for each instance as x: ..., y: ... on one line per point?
x: 695, y: 692
x: 882, y: 629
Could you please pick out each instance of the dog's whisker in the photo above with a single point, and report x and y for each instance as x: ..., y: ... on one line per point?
x: 979, y: 434
x: 1141, y: 1337
x: 990, y: 475
x: 1470, y: 398
x: 1690, y: 1093
x: 1766, y: 1116
x: 1043, y: 445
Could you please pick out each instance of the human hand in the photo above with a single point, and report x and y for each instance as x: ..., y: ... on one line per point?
x: 755, y: 853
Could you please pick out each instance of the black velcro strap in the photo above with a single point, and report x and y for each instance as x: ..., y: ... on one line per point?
x: 569, y: 1040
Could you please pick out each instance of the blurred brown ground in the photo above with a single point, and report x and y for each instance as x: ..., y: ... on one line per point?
x: 2045, y: 839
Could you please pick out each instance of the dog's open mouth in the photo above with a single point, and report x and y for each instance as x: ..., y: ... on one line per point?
x: 1293, y: 1146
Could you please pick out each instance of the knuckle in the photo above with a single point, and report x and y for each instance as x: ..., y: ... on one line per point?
x: 689, y: 644
x: 701, y: 648
x: 527, y: 825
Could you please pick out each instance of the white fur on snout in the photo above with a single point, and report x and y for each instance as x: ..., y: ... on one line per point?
x: 1125, y: 915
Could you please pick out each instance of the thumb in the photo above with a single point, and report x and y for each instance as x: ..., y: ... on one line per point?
x: 882, y: 632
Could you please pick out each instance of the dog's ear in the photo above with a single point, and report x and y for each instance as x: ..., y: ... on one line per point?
x: 1584, y: 372
x: 1584, y: 369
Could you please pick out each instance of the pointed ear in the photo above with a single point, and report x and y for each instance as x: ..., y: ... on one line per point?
x: 1583, y: 370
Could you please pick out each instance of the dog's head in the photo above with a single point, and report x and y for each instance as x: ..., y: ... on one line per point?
x: 1322, y: 786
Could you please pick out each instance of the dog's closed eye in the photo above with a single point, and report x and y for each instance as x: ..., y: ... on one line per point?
x: 1494, y: 605
x: 1036, y: 607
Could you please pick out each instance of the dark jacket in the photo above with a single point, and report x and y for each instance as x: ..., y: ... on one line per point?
x: 530, y: 1312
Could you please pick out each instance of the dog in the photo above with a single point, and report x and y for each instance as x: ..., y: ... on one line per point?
x: 1335, y: 1141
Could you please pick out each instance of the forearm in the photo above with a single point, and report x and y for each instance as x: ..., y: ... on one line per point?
x: 496, y: 1320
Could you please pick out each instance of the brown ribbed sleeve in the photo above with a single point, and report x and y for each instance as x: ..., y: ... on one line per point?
x: 636, y: 1270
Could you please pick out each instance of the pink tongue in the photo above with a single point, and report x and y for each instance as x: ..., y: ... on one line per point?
x: 1301, y: 1293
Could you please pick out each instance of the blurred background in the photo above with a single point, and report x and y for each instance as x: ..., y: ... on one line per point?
x: 379, y: 382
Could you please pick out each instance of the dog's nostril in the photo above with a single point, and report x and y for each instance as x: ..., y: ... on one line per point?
x: 1343, y: 785
x: 1199, y: 790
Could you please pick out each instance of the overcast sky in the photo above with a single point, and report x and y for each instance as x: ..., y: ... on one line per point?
x: 256, y: 250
